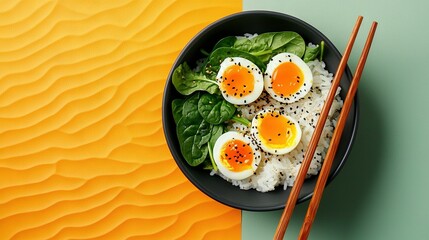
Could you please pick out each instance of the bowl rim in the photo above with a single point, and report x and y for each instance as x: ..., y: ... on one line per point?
x: 165, y: 111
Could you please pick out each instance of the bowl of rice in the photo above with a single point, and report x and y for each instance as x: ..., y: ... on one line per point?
x: 268, y: 187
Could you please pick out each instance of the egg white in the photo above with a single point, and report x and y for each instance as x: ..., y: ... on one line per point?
x: 254, y: 70
x: 217, y: 152
x: 274, y: 63
x: 255, y: 131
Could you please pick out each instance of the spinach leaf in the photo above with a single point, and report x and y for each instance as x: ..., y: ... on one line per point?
x: 268, y: 44
x: 177, y: 106
x: 217, y: 56
x: 244, y: 44
x: 186, y: 130
x: 225, y: 42
x: 217, y: 130
x: 192, y: 122
x: 215, y: 109
x: 193, y: 154
x: 193, y: 132
x: 265, y: 45
x: 187, y: 81
x: 311, y: 53
x: 193, y: 135
x: 288, y: 42
x: 190, y: 107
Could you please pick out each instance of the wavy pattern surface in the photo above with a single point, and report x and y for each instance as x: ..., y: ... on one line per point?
x: 82, y: 152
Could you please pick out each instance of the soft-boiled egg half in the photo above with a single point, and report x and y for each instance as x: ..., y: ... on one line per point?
x: 236, y: 155
x: 287, y: 78
x: 275, y: 132
x: 240, y: 81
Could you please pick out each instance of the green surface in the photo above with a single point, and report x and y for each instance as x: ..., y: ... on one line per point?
x: 382, y: 192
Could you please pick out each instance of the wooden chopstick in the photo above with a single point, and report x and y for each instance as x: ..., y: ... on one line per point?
x: 326, y: 168
x: 291, y: 202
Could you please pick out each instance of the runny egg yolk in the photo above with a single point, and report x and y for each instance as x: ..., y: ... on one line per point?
x: 277, y: 131
x: 236, y: 155
x: 237, y: 81
x: 287, y: 79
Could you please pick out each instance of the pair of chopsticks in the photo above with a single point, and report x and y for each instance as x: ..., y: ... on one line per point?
x: 324, y: 173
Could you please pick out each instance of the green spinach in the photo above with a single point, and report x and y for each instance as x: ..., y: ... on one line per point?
x: 217, y: 56
x: 193, y: 136
x: 193, y: 154
x: 192, y: 118
x: 215, y: 109
x: 190, y: 107
x: 193, y: 132
x: 265, y: 45
x: 217, y: 131
x: 225, y: 42
x: 187, y: 81
x: 199, y: 117
x: 177, y: 106
x: 311, y: 53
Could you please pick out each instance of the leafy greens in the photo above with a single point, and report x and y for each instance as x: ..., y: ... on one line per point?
x: 200, y: 117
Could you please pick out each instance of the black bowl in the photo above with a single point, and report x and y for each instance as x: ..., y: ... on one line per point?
x: 237, y: 25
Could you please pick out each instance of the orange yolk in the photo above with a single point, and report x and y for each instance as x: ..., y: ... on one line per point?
x: 237, y: 155
x: 237, y: 81
x: 287, y: 79
x: 276, y: 130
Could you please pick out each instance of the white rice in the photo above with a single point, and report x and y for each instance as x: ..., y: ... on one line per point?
x: 275, y: 170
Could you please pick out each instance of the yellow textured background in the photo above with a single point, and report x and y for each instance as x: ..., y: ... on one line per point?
x: 82, y: 152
